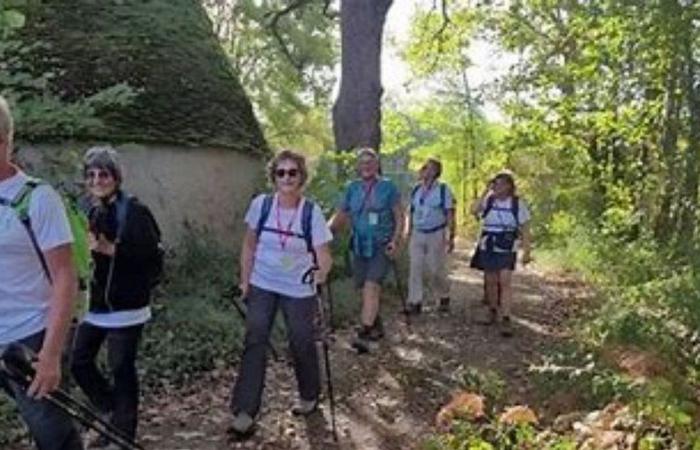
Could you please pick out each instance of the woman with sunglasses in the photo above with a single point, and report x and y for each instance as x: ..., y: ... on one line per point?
x: 124, y: 241
x: 285, y: 253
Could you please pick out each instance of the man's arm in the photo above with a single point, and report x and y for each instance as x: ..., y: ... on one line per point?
x: 451, y: 229
x: 64, y: 290
x: 338, y: 221
x: 527, y: 242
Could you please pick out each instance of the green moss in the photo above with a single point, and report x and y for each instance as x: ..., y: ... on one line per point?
x: 165, y: 49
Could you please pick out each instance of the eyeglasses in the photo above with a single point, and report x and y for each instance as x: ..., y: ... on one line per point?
x: 280, y: 173
x: 99, y: 174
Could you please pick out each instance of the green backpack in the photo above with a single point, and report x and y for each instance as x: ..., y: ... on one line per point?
x: 78, y: 224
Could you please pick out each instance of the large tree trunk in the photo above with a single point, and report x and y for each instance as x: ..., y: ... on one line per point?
x: 357, y: 110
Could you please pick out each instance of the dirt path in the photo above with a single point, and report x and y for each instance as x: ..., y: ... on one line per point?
x: 387, y: 399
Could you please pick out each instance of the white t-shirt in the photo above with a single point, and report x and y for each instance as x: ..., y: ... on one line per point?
x: 281, y: 261
x: 501, y: 218
x: 25, y: 292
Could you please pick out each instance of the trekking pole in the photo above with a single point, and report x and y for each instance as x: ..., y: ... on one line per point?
x: 401, y: 291
x: 242, y: 313
x: 18, y: 368
x: 329, y: 292
x: 326, y: 356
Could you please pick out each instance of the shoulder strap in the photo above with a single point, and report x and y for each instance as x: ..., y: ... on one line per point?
x: 413, y: 195
x: 489, y: 206
x: 122, y: 206
x: 306, y: 224
x: 443, y: 196
x: 515, y: 208
x: 20, y: 204
x: 264, y: 213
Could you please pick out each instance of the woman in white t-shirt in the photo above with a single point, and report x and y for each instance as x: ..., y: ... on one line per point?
x: 505, y: 225
x: 285, y: 240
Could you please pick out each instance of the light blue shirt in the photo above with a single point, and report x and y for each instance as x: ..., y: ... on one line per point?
x: 429, y: 212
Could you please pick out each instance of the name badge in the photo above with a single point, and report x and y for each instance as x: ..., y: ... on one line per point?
x: 288, y: 263
x: 373, y: 218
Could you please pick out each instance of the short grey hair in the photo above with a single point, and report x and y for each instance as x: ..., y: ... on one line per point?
x: 367, y: 151
x: 103, y: 157
x: 7, y: 125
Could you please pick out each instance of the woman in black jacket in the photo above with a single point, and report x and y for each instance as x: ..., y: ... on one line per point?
x: 124, y: 240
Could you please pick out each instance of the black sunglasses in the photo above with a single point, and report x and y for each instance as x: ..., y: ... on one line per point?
x: 280, y: 173
x: 101, y: 174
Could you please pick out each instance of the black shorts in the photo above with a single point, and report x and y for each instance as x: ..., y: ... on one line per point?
x: 373, y: 269
x: 493, y: 261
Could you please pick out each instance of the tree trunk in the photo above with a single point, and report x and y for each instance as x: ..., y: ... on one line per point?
x: 357, y: 110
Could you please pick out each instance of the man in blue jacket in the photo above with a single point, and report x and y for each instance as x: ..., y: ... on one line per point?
x: 372, y: 206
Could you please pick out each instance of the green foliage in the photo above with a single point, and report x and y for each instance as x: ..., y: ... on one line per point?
x: 285, y: 62
x: 484, y: 382
x: 194, y: 327
x: 37, y: 110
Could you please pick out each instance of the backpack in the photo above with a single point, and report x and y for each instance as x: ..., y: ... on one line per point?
x: 443, y: 203
x: 306, y: 218
x: 514, y: 209
x: 156, y: 267
x: 78, y: 223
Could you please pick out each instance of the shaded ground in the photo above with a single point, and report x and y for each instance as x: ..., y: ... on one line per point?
x: 389, y: 398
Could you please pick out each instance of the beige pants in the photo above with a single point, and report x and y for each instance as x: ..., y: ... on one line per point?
x: 428, y: 260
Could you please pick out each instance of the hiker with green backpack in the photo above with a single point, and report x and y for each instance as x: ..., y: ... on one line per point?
x: 285, y: 255
x: 37, y: 290
x: 505, y: 227
x: 124, y: 239
x: 431, y: 227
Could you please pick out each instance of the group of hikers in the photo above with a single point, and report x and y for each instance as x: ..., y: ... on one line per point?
x: 285, y: 258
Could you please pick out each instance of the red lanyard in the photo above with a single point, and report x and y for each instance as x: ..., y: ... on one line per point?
x: 368, y: 193
x: 284, y: 235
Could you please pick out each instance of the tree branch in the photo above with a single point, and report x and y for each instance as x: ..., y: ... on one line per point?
x: 273, y: 24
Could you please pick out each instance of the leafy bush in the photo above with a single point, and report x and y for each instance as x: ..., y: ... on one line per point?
x: 195, y: 327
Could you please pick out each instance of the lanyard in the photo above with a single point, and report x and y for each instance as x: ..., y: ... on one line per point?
x: 369, y: 190
x: 284, y: 234
x: 424, y: 193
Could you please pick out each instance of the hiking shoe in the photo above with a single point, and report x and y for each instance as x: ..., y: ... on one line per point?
x: 243, y: 425
x: 414, y: 309
x: 506, y: 327
x: 361, y: 342
x: 305, y: 407
x: 376, y: 331
x: 491, y: 317
x: 444, y: 305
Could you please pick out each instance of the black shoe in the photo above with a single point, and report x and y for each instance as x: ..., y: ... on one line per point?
x: 361, y: 345
x: 376, y: 332
x: 444, y: 305
x: 491, y: 317
x: 506, y: 327
x: 414, y: 309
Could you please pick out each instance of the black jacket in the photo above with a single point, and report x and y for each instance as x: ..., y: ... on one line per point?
x: 134, y: 259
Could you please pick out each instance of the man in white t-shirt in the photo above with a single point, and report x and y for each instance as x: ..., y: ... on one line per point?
x: 37, y: 288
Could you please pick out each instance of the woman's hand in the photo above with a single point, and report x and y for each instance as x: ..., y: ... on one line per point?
x: 101, y: 244
x: 245, y: 288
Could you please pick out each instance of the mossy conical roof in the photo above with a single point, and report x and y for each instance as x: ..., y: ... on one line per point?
x: 165, y: 49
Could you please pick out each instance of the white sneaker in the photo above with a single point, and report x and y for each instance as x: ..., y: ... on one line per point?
x: 242, y: 423
x: 305, y: 407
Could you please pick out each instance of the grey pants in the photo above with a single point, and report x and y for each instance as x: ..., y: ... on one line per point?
x: 428, y: 257
x: 299, y: 315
